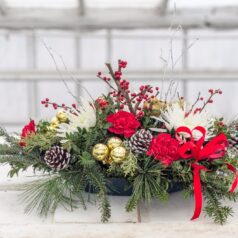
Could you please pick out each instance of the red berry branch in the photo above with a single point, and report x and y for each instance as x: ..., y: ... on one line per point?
x: 195, y: 103
x: 210, y: 100
x: 199, y: 98
x: 47, y: 102
x: 121, y: 89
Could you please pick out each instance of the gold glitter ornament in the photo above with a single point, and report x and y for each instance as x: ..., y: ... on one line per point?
x: 114, y: 142
x: 118, y: 154
x: 61, y: 116
x: 54, y: 123
x: 155, y: 105
x: 100, y: 152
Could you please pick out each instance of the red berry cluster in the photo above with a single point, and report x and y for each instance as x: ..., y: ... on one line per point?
x: 217, y: 91
x: 118, y: 75
x: 121, y: 93
x: 45, y: 102
x: 124, y: 84
x: 122, y: 64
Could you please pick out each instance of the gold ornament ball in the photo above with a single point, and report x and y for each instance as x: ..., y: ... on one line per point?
x: 54, y: 123
x: 61, y: 116
x: 118, y: 154
x: 114, y: 142
x: 100, y: 152
x: 156, y: 106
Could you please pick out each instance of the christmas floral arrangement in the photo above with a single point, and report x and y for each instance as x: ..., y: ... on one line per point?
x: 150, y: 144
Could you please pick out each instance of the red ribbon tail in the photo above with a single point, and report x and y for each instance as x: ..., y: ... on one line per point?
x: 235, y: 182
x: 197, y: 190
x: 234, y: 185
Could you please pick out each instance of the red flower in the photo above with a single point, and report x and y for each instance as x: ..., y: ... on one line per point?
x: 164, y: 148
x: 26, y: 131
x: 123, y: 123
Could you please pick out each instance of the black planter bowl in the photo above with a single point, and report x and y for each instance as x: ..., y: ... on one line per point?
x: 121, y: 187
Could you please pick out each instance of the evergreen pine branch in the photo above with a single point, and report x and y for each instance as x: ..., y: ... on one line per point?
x: 77, y: 183
x: 214, y: 208
x: 97, y: 180
x: 11, y: 140
x: 87, y: 161
x: 45, y: 195
x: 19, y: 160
x: 148, y: 184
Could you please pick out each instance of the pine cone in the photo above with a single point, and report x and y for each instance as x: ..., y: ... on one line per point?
x: 57, y: 158
x: 140, y: 141
x: 233, y: 141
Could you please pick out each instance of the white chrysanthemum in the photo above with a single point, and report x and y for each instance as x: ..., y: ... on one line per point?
x: 174, y: 117
x: 84, y: 118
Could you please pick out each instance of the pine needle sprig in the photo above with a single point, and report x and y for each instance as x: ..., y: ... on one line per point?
x: 214, y: 209
x: 148, y: 184
x: 97, y: 180
x: 45, y: 195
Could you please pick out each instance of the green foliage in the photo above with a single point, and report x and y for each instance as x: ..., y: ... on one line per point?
x: 220, y: 127
x: 115, y: 170
x: 17, y: 157
x: 84, y: 140
x: 87, y: 161
x: 180, y: 172
x: 42, y: 127
x: 129, y: 165
x: 41, y: 142
x: 46, y: 194
x: 215, y: 189
x: 149, y: 183
x: 97, y: 181
x: 66, y: 189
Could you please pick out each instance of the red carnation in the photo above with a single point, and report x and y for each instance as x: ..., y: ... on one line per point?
x: 123, y: 123
x: 164, y: 148
x: 26, y: 131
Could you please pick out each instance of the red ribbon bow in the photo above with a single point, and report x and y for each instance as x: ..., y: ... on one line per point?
x: 214, y: 149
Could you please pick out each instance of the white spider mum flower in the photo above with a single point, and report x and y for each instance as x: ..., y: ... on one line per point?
x: 174, y: 117
x: 84, y: 118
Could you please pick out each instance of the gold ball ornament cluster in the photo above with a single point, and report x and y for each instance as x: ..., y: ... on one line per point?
x: 61, y: 117
x: 114, y: 151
